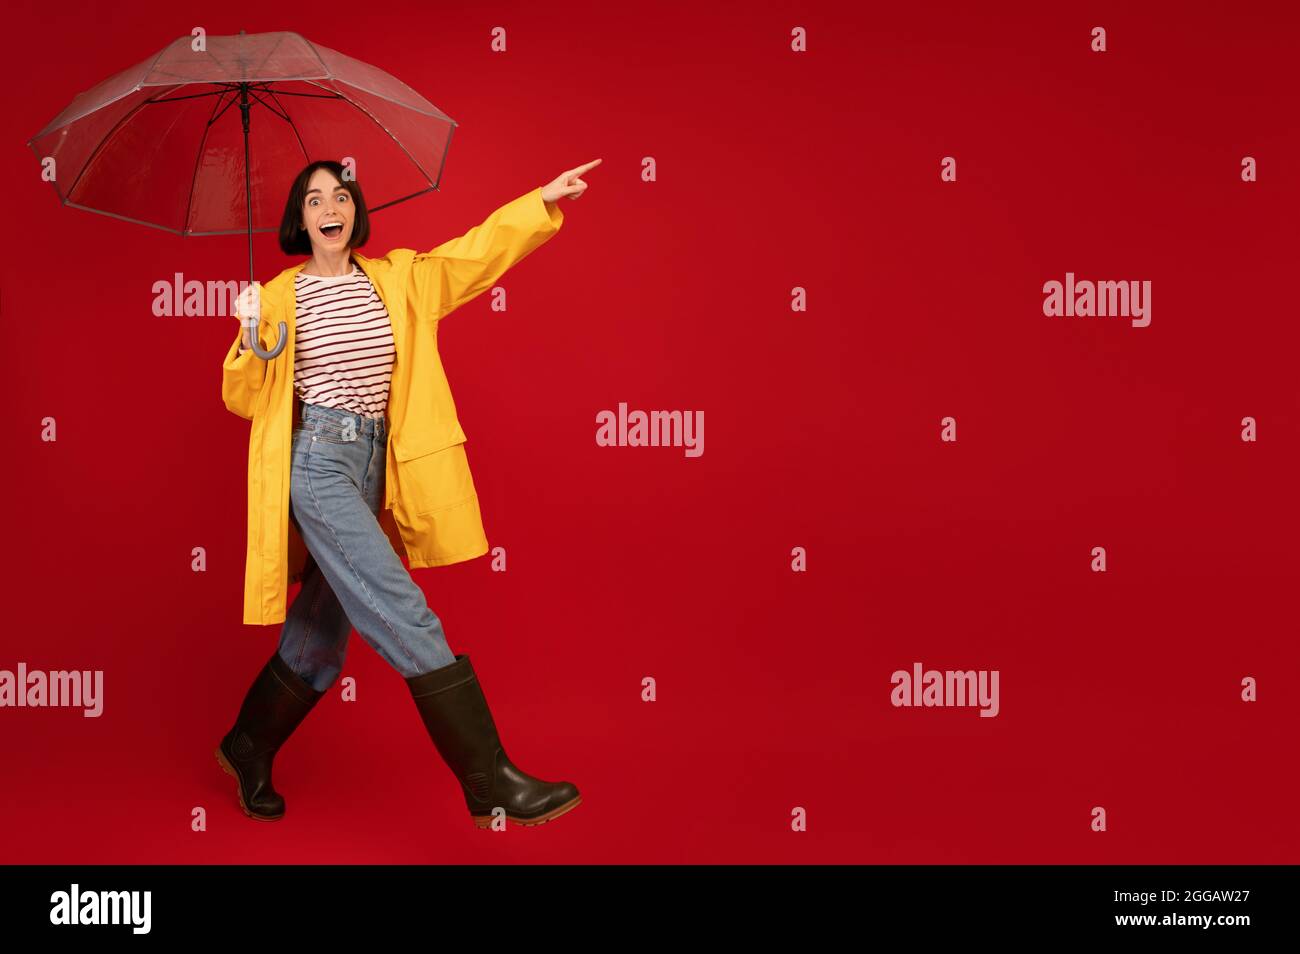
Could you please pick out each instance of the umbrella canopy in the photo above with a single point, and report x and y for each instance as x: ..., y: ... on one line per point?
x: 161, y: 143
x: 205, y: 137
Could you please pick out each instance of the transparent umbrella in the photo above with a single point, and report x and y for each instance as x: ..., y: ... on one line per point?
x: 204, y: 137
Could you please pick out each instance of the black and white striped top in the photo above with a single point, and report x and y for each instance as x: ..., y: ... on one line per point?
x: 343, y: 344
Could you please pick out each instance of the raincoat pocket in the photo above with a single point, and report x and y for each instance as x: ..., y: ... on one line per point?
x: 435, y: 479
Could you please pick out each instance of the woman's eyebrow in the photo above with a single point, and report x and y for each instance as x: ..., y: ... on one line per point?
x: 336, y: 189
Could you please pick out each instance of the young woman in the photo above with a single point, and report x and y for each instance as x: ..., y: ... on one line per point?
x: 355, y: 439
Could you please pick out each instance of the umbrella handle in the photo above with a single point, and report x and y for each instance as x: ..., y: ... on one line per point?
x: 257, y: 345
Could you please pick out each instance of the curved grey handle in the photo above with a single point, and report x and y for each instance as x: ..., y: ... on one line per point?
x: 257, y: 345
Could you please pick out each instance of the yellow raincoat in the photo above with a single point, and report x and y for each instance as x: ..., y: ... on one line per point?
x: 430, y: 508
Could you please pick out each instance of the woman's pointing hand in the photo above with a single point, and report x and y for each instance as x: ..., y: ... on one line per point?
x: 568, y: 183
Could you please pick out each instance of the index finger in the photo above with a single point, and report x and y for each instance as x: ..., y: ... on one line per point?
x: 581, y: 169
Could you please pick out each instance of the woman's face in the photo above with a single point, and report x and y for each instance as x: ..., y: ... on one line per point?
x: 327, y: 212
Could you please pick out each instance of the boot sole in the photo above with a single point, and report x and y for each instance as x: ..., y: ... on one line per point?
x: 485, y: 821
x: 239, y: 787
x: 480, y: 821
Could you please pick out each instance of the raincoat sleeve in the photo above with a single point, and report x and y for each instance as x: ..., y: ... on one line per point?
x: 448, y: 276
x: 242, y: 376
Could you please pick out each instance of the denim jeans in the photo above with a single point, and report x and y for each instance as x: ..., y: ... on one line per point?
x: 353, y: 576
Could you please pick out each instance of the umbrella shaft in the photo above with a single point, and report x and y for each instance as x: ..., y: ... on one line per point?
x: 248, y: 188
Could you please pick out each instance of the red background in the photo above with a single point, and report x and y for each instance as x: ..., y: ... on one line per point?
x: 775, y: 170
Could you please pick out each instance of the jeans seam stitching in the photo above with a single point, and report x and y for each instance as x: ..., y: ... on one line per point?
x: 311, y: 614
x: 373, y: 602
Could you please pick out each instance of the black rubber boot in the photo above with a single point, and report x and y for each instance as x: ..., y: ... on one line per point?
x: 456, y: 715
x: 276, y: 704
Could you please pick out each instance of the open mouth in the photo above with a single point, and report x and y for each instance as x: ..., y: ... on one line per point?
x: 332, y: 230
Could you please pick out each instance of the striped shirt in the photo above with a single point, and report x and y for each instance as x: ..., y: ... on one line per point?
x: 343, y: 344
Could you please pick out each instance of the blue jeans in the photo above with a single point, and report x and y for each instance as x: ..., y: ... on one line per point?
x: 353, y: 576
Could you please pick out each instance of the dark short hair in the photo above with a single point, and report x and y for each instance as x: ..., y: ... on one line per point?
x: 294, y: 239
